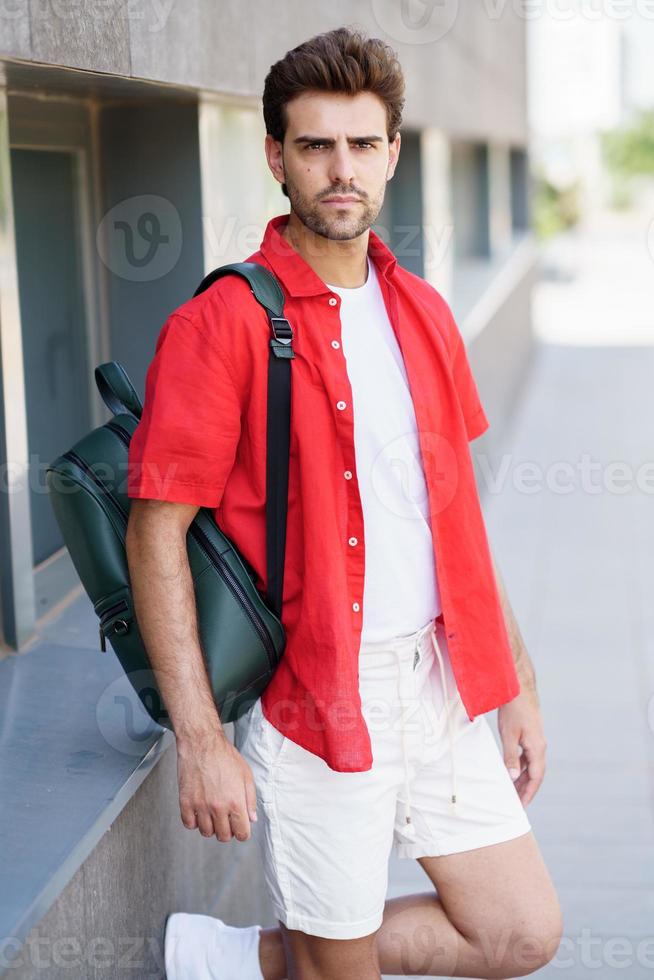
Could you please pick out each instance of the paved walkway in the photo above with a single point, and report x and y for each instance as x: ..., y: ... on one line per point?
x: 579, y: 568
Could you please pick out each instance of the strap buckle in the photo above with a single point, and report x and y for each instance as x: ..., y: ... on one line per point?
x: 282, y: 333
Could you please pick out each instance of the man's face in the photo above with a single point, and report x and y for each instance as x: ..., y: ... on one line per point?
x: 335, y: 145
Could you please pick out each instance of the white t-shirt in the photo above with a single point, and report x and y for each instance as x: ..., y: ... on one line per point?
x: 400, y: 585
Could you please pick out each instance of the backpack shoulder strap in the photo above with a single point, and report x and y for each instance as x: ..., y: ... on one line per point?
x: 268, y: 292
x: 263, y: 283
x: 119, y: 395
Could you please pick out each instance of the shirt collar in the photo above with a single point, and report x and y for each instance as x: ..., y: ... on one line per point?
x: 295, y: 272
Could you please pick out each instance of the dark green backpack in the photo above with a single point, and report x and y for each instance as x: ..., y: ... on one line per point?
x: 241, y: 633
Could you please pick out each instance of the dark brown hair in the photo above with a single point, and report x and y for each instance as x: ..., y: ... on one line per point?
x: 342, y: 60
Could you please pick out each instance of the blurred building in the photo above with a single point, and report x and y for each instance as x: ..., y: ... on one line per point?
x: 131, y: 163
x: 589, y: 72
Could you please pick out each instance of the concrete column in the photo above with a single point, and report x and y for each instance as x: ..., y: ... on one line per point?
x: 239, y: 194
x: 438, y: 223
x: 499, y: 193
x: 17, y: 578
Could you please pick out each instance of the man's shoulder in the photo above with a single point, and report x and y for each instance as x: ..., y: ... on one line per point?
x: 228, y: 297
x: 418, y: 286
x: 437, y: 308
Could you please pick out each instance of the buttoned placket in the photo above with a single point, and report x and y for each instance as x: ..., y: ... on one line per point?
x: 355, y: 519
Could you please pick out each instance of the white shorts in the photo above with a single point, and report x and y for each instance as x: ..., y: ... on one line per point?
x: 326, y: 836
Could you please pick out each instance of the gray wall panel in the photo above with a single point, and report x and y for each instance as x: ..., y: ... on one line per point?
x: 93, y: 35
x: 204, y: 45
x: 152, y: 167
x: 465, y: 74
x: 108, y: 922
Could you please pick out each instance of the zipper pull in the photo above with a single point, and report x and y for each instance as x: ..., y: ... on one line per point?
x: 103, y: 645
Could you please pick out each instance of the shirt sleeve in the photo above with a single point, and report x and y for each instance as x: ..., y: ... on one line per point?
x: 184, y: 446
x: 474, y: 415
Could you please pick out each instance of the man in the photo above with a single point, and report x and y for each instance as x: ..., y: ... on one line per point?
x: 391, y: 599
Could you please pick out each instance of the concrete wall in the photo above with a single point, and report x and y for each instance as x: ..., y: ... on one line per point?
x: 465, y: 67
x: 108, y: 922
x: 150, y: 156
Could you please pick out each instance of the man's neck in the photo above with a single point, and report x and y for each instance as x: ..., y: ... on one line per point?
x: 340, y: 263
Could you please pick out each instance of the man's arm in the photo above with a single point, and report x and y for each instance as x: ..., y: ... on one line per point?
x: 519, y: 720
x: 214, y: 779
x: 523, y: 664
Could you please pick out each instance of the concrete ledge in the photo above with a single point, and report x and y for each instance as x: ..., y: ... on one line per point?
x: 94, y: 853
x: 65, y: 773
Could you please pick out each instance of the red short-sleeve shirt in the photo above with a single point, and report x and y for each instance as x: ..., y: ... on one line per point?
x: 202, y: 440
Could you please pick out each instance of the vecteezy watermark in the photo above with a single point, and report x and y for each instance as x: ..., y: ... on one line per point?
x: 131, y: 707
x: 435, y: 463
x: 110, y: 477
x: 406, y: 495
x: 140, y: 239
x: 564, y: 477
x: 128, y: 708
x: 153, y: 14
x: 415, y: 21
x: 142, y: 956
x: 234, y: 237
x: 565, y: 10
x: 517, y: 951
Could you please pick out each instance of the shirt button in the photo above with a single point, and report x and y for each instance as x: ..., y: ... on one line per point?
x: 352, y: 541
x: 335, y: 344
x: 348, y: 475
x: 355, y: 606
x: 341, y: 405
x: 333, y: 301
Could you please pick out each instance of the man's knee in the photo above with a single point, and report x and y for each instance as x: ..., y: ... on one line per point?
x: 523, y: 945
x: 316, y: 957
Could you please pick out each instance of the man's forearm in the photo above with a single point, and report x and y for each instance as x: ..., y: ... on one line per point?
x: 164, y: 601
x: 524, y: 666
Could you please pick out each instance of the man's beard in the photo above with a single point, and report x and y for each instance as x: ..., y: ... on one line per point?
x: 331, y: 222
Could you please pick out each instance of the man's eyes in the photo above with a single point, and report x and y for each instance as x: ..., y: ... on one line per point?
x: 360, y: 143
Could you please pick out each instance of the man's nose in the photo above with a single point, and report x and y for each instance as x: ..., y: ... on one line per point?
x: 341, y: 168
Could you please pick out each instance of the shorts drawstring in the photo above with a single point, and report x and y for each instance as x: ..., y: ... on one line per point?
x: 409, y: 831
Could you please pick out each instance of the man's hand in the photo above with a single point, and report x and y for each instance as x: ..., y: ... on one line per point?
x: 519, y: 721
x: 217, y: 793
x: 523, y: 742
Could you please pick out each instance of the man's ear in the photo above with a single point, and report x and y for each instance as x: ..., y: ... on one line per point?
x: 275, y: 157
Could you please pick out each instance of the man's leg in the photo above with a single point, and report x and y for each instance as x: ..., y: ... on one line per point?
x: 496, y: 914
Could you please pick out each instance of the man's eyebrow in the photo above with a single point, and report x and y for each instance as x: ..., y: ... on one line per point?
x: 328, y: 141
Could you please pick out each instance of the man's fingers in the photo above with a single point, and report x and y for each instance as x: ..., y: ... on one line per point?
x: 511, y: 750
x: 231, y: 820
x: 205, y: 823
x: 222, y: 806
x: 250, y: 795
x: 240, y: 823
x: 221, y: 824
x: 533, y: 776
x: 188, y: 815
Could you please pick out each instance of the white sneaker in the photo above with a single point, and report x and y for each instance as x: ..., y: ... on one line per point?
x: 202, y: 947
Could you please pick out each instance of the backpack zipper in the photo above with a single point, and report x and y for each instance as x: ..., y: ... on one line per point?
x: 122, y: 623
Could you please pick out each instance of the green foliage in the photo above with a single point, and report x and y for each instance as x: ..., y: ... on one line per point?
x: 630, y: 150
x: 554, y: 208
